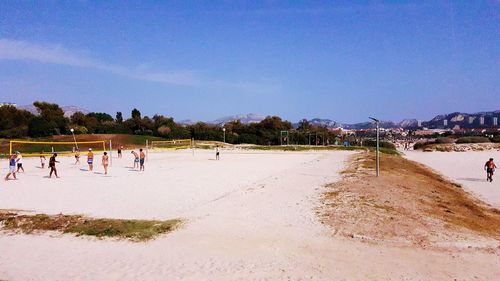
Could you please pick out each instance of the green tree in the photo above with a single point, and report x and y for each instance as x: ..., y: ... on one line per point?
x: 119, y: 117
x: 304, y: 125
x: 136, y: 114
x: 53, y: 114
x: 78, y: 118
x: 101, y: 117
x: 39, y: 127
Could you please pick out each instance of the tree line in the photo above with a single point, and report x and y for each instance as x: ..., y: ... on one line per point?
x: 50, y: 120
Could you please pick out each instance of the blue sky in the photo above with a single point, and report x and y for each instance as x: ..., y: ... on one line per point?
x: 343, y: 60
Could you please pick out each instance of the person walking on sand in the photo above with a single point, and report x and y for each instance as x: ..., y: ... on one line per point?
x: 90, y: 159
x: 120, y: 151
x: 142, y: 157
x: 217, y: 153
x: 105, y: 162
x: 19, y: 161
x: 42, y: 160
x: 52, y: 165
x: 12, y: 167
x: 77, y: 156
x: 136, y: 159
x: 490, y: 169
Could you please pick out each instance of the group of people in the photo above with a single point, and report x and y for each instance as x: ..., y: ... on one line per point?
x: 16, y: 162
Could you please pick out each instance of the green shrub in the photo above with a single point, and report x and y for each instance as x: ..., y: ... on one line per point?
x: 421, y: 145
x: 443, y: 140
x: 473, y: 140
x: 384, y: 144
x: 495, y: 139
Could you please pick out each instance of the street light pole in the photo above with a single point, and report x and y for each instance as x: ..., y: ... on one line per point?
x: 74, y: 138
x: 224, y: 130
x: 377, y: 122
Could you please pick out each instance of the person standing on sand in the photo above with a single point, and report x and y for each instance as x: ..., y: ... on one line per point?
x: 19, y: 161
x: 136, y: 159
x: 12, y: 167
x: 42, y: 160
x: 52, y: 165
x: 77, y: 156
x: 105, y: 162
x: 217, y: 153
x: 120, y: 151
x: 142, y: 157
x: 90, y: 159
x: 490, y: 169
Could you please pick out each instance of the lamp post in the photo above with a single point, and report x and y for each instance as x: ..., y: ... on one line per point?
x: 377, y: 122
x: 224, y: 130
x: 74, y: 138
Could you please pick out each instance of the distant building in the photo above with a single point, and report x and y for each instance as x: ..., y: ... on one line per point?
x: 495, y: 121
x: 471, y: 119
x: 481, y: 120
x: 419, y: 123
x: 445, y: 122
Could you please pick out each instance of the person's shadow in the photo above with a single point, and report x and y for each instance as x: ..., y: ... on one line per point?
x: 471, y: 179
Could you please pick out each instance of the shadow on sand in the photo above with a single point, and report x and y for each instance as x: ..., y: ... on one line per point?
x: 471, y: 179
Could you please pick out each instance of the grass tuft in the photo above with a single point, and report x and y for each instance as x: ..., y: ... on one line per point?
x: 134, y: 230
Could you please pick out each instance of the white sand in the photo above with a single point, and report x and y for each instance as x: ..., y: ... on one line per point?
x: 249, y: 216
x: 465, y: 168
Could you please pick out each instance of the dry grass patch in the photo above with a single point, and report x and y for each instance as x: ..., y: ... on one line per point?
x: 134, y: 230
x: 408, y: 204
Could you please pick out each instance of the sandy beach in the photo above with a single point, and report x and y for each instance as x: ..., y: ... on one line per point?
x: 465, y: 168
x: 249, y: 216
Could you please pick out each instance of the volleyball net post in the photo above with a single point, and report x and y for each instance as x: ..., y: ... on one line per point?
x: 147, y: 150
x: 110, y: 153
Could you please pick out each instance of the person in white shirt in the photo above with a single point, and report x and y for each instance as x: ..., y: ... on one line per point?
x: 217, y: 153
x: 19, y: 161
x: 42, y: 160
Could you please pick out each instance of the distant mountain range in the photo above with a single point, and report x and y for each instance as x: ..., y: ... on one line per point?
x: 68, y: 110
x: 465, y: 120
x: 243, y: 118
x: 444, y: 121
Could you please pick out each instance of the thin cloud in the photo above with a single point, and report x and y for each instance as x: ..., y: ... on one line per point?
x: 56, y: 54
x: 323, y: 10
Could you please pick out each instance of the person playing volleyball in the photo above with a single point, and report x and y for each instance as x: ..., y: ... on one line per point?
x: 105, y: 162
x: 12, y: 167
x: 136, y: 159
x: 77, y: 156
x: 52, y: 165
x: 142, y: 157
x: 90, y: 159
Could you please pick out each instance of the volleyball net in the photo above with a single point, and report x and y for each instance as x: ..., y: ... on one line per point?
x: 37, y: 148
x: 170, y: 144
